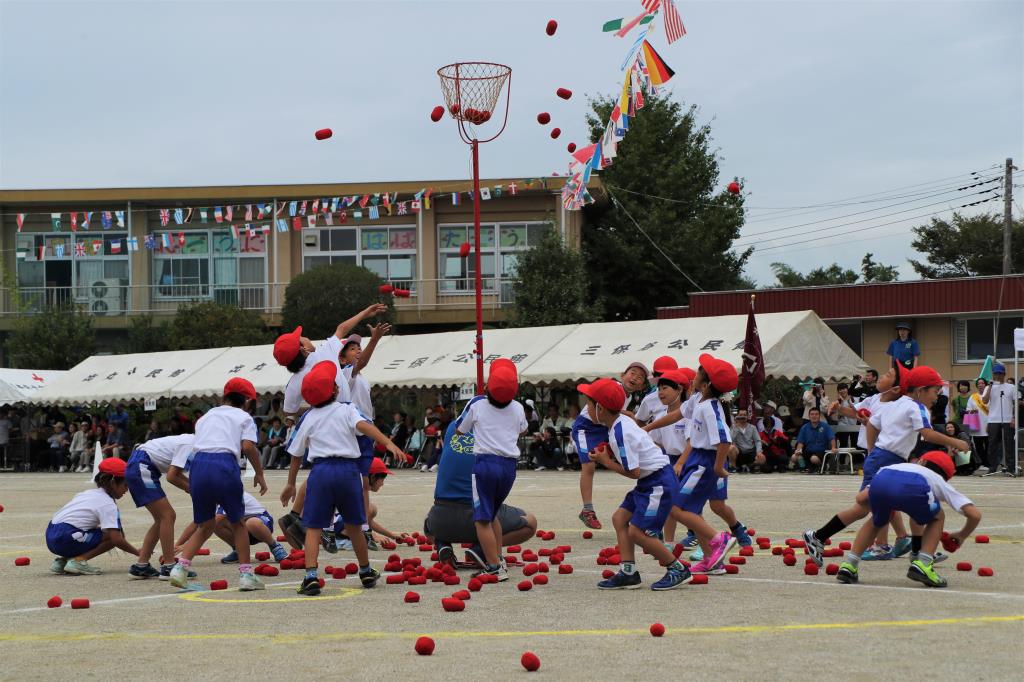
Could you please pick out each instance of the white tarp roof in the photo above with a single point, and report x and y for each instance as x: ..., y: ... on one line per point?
x: 135, y: 376
x: 22, y: 385
x: 794, y: 344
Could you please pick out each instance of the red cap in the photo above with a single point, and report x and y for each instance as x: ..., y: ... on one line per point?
x: 241, y: 386
x: 377, y: 466
x: 318, y: 384
x: 940, y: 459
x: 690, y: 374
x: 607, y: 393
x: 721, y: 373
x: 676, y: 376
x: 287, y: 347
x: 665, y: 363
x: 503, y: 380
x: 920, y: 377
x: 113, y: 465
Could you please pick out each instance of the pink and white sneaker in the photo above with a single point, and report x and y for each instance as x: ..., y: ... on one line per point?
x: 721, y: 545
x: 705, y: 568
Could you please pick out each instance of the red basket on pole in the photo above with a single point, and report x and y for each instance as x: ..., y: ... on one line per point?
x: 472, y: 91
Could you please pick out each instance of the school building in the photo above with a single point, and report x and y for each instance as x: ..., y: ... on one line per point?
x: 119, y: 253
x: 956, y: 322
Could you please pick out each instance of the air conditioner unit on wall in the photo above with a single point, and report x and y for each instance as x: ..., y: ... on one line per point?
x: 105, y: 297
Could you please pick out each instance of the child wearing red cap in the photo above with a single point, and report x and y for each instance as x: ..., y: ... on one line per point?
x: 672, y: 387
x: 223, y: 435
x: 587, y: 435
x: 258, y: 522
x: 703, y: 465
x: 297, y: 354
x: 329, y: 431
x: 90, y: 523
x: 892, y: 434
x: 917, y: 490
x: 496, y: 421
x: 652, y: 407
x: 631, y: 453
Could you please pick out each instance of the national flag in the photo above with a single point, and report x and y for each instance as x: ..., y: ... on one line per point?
x: 498, y: 190
x: 650, y: 6
x: 234, y: 232
x: 323, y: 205
x: 512, y: 188
x: 752, y: 372
x: 251, y: 229
x: 616, y: 24
x: 674, y: 29
x: 203, y: 214
x: 97, y: 246
x: 133, y: 244
x: 365, y: 200
x: 119, y: 216
x: 229, y: 213
x: 282, y: 225
x: 79, y: 249
x: 42, y: 253
x: 292, y: 208
x: 248, y: 211
x: 316, y: 205
x: 165, y: 217
x: 181, y: 239
x: 658, y: 71
x: 260, y: 211
x: 115, y: 246
x: 426, y: 198
x: 149, y: 242
x: 485, y: 193
x: 311, y: 219
x: 296, y: 223
x: 188, y: 216
x: 218, y: 214
x: 302, y: 209
x: 986, y: 369
x: 106, y: 219
x: 342, y: 216
x: 265, y: 229
x: 166, y: 239
x: 374, y: 213
x: 387, y: 202
x: 358, y: 215
x: 329, y: 218
x: 86, y: 219
x: 21, y: 221
x: 415, y: 205
x: 74, y: 221
x: 403, y: 208
x: 58, y: 250
x: 55, y: 221
x: 456, y: 198
x: 334, y: 204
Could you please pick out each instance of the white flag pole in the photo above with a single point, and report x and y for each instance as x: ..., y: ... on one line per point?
x: 97, y: 458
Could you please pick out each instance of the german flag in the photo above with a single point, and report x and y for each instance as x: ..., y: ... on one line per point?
x: 657, y: 70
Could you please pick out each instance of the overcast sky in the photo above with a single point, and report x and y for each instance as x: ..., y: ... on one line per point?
x: 810, y: 102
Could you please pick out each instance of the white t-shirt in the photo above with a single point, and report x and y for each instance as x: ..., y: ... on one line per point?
x: 671, y: 438
x: 90, y: 510
x: 328, y: 431
x: 899, y: 425
x: 776, y: 423
x: 634, y: 448
x: 359, y: 390
x: 169, y: 451
x: 495, y: 429
x: 223, y: 429
x: 1000, y: 403
x: 252, y: 505
x: 328, y: 350
x: 707, y: 426
x: 942, y: 490
x: 651, y: 408
x: 873, y: 403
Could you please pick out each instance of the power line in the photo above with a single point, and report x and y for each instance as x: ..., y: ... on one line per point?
x: 670, y: 261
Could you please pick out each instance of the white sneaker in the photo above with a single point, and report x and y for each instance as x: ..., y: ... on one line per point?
x: 981, y: 471
x: 248, y: 582
x: 179, y: 577
x: 62, y: 469
x: 541, y: 469
x: 423, y: 468
x: 433, y: 468
x: 559, y: 468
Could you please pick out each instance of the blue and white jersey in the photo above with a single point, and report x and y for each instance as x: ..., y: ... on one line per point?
x: 707, y: 426
x: 899, y: 425
x: 634, y: 449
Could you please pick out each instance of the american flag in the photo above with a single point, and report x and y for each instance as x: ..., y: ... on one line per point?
x: 651, y: 5
x: 674, y: 29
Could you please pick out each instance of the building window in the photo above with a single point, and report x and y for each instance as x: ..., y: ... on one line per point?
x: 500, y: 247
x: 851, y: 333
x: 211, y: 265
x: 388, y: 251
x: 975, y: 338
x: 62, y: 268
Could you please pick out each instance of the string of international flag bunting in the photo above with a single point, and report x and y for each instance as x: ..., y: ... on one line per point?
x: 645, y: 73
x: 295, y: 214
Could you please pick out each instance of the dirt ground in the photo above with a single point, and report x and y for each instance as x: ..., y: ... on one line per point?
x: 770, y: 621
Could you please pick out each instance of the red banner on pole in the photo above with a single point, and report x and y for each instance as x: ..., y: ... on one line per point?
x: 752, y: 372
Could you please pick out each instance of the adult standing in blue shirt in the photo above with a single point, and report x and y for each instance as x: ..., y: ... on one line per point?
x: 450, y: 520
x: 815, y: 438
x: 903, y: 349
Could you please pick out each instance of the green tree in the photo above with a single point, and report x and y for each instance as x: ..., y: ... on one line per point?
x: 966, y: 246
x: 666, y: 154
x: 833, y: 274
x: 215, y: 325
x: 553, y: 286
x: 870, y: 271
x: 58, y: 337
x: 145, y: 335
x: 320, y: 298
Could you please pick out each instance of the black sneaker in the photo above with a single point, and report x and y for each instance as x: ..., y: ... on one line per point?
x: 291, y: 526
x: 310, y: 587
x: 621, y: 581
x: 475, y: 556
x: 328, y: 541
x: 142, y: 572
x: 369, y: 578
x: 446, y: 555
x: 371, y: 544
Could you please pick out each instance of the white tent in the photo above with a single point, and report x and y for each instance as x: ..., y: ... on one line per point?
x: 255, y: 363
x: 794, y: 344
x: 22, y: 385
x: 136, y: 376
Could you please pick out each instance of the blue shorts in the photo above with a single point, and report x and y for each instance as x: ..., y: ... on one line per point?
x: 334, y: 483
x: 216, y: 479
x: 493, y: 477
x: 265, y: 517
x: 651, y: 500
x: 698, y: 482
x: 903, y: 491
x: 365, y: 454
x: 143, y: 479
x: 877, y: 459
x: 586, y: 435
x: 67, y: 542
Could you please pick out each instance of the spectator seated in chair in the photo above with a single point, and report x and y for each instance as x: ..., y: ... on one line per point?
x: 813, y: 441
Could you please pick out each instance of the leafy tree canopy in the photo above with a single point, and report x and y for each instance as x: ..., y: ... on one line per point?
x: 553, y: 286
x: 321, y: 298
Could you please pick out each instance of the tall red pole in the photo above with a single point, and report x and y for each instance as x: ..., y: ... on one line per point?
x: 479, y: 278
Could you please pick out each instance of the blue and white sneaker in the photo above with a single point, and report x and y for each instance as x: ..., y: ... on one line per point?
x: 343, y: 544
x: 742, y: 538
x: 877, y: 553
x: 672, y: 579
x: 621, y: 581
x: 279, y: 552
x: 691, y: 541
x: 230, y: 558
x: 902, y: 546
x: 696, y: 555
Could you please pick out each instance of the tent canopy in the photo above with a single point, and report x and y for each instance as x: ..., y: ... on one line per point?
x: 795, y: 344
x: 23, y: 385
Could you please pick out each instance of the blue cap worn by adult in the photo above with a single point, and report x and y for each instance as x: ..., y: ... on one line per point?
x: 999, y: 368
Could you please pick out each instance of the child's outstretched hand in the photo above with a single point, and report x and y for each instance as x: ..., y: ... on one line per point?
x: 261, y: 483
x: 951, y: 542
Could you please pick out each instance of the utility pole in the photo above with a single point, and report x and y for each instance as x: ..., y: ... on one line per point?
x: 1007, y: 215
